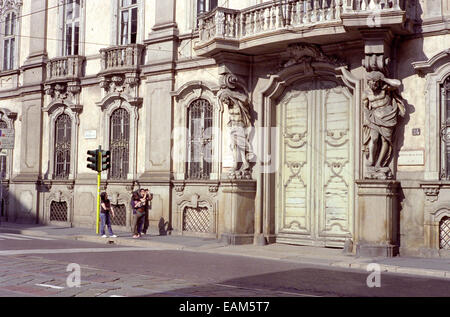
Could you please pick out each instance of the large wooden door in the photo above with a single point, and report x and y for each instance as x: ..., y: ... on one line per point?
x: 315, y: 190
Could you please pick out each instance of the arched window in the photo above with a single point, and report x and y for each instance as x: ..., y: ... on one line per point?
x: 200, y: 118
x: 63, y: 137
x: 3, y: 158
x: 119, y: 144
x: 445, y: 129
x: 9, y: 40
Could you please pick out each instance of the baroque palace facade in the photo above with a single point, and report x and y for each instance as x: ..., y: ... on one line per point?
x: 309, y: 122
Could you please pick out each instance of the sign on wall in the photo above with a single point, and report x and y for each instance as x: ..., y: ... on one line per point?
x: 411, y: 158
x: 6, y: 138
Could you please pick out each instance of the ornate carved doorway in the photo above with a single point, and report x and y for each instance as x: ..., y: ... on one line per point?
x: 314, y: 181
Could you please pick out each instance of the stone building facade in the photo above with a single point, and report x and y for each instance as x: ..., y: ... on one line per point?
x: 309, y: 122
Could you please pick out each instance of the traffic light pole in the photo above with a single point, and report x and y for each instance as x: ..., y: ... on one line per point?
x: 99, y: 161
x: 99, y: 179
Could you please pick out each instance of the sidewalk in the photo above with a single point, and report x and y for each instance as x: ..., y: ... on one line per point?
x: 430, y: 267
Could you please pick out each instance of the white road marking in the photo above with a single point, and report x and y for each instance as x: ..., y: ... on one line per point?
x: 116, y: 296
x: 27, y: 237
x: 263, y: 290
x: 85, y: 250
x: 50, y: 286
x: 4, y: 236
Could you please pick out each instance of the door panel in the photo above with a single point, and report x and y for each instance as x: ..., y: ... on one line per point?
x: 315, y: 180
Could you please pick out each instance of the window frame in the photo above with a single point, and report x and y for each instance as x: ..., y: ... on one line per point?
x: 13, y: 55
x: 190, y: 141
x: 116, y: 36
x: 72, y: 23
x: 62, y: 28
x: 67, y: 165
x: 444, y: 133
x: 123, y: 175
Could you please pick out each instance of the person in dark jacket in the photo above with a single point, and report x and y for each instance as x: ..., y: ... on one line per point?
x: 138, y: 207
x: 106, y: 211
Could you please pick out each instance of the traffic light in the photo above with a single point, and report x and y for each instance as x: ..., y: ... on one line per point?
x: 106, y: 160
x: 93, y: 158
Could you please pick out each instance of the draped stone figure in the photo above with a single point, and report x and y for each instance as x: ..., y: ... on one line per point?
x: 239, y: 126
x: 382, y: 106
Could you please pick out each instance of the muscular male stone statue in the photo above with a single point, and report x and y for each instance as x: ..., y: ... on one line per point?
x: 240, y: 120
x: 382, y: 106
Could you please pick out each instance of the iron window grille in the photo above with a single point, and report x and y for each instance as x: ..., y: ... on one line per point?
x: 445, y: 130
x: 197, y: 220
x: 444, y: 233
x: 120, y: 215
x: 128, y: 22
x: 58, y: 211
x: 200, y: 118
x: 119, y: 144
x: 63, y: 145
x: 9, y: 41
x: 3, y: 158
x: 71, y: 27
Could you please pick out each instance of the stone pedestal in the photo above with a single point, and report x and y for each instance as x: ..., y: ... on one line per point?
x: 237, y: 211
x: 377, y: 218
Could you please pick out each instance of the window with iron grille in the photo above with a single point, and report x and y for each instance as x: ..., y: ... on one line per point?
x: 9, y: 41
x: 3, y: 158
x: 71, y: 27
x: 197, y: 220
x: 58, y: 211
x: 119, y: 144
x: 200, y: 118
x: 445, y: 130
x: 444, y: 233
x: 128, y: 21
x: 120, y: 215
x: 63, y: 139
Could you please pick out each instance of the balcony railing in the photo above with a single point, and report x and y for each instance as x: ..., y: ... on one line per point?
x: 121, y: 58
x: 65, y: 68
x: 274, y: 16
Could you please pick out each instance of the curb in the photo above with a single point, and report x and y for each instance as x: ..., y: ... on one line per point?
x: 171, y: 246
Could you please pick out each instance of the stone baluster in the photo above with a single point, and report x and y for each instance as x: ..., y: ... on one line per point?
x: 252, y: 23
x: 326, y: 11
x: 262, y: 19
x: 274, y: 17
x: 257, y: 24
x: 396, y: 5
x: 301, y: 12
x: 308, y: 13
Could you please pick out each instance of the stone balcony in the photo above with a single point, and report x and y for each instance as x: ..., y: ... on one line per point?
x: 268, y: 26
x: 120, y: 72
x: 65, y: 69
x: 121, y: 59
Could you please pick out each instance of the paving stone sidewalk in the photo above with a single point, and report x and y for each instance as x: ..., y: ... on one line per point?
x: 431, y: 267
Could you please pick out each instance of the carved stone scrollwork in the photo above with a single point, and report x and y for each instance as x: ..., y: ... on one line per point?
x: 179, y: 189
x: 431, y: 192
x: 307, y: 54
x: 240, y: 125
x: 67, y: 93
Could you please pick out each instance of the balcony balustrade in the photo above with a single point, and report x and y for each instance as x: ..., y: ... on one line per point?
x: 67, y: 68
x: 280, y: 17
x: 121, y: 58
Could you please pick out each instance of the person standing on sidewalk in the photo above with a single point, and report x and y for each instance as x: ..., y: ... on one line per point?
x: 138, y: 207
x: 146, y: 198
x: 105, y: 217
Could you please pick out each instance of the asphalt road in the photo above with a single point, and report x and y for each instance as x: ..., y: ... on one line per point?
x: 32, y: 266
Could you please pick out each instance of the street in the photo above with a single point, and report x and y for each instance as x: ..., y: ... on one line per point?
x: 38, y: 266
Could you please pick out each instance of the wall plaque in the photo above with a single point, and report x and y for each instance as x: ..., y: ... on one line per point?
x: 90, y: 134
x: 411, y: 158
